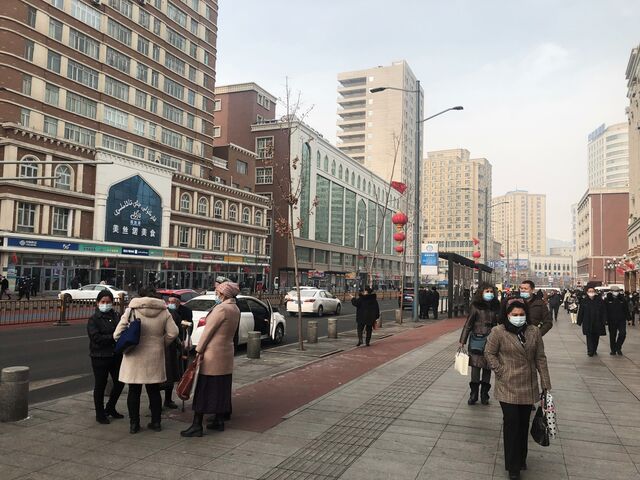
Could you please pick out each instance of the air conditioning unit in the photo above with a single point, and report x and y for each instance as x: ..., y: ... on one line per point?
x: 142, y: 2
x: 95, y: 2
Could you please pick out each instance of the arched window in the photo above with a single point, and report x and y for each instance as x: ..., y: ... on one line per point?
x: 333, y: 167
x: 359, y: 183
x: 218, y: 208
x: 258, y: 218
x: 353, y: 179
x: 246, y: 215
x: 326, y: 163
x: 233, y: 212
x: 185, y: 203
x: 203, y: 206
x: 369, y: 188
x: 63, y: 182
x: 340, y: 172
x: 346, y: 175
x: 29, y: 169
x: 318, y: 159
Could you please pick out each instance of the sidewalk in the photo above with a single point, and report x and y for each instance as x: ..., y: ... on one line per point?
x: 405, y: 419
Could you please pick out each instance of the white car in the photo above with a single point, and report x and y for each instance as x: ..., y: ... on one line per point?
x: 90, y: 292
x: 315, y: 301
x: 255, y: 315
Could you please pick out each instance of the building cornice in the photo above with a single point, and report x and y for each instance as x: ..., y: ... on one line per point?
x: 230, y: 193
x: 244, y: 87
x: 39, y: 136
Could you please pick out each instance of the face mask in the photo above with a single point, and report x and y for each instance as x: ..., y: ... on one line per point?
x: 525, y: 295
x: 591, y: 295
x: 518, y: 321
x: 487, y: 297
x: 105, y: 307
x: 615, y: 294
x: 172, y: 306
x: 216, y: 299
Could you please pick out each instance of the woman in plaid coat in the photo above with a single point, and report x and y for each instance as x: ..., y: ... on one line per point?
x: 515, y: 352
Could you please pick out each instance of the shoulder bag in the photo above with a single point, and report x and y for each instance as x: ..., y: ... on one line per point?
x: 187, y: 382
x: 130, y: 337
x: 477, y: 343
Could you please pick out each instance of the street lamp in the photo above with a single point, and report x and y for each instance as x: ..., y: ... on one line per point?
x: 416, y: 201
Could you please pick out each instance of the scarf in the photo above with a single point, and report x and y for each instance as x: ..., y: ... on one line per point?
x: 518, y: 331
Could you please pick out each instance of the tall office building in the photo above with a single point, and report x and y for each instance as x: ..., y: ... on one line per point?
x: 520, y: 222
x: 608, y: 150
x: 455, y: 188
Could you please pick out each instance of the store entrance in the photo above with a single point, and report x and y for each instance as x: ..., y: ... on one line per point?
x: 133, y: 276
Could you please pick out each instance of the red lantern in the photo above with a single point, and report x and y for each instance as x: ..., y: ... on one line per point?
x: 267, y: 269
x: 399, y: 248
x: 166, y: 264
x: 399, y: 236
x: 105, y: 262
x: 400, y: 219
x: 476, y: 254
x: 14, y: 258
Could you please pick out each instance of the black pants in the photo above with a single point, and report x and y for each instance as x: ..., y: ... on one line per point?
x: 516, y: 435
x: 102, y: 368
x: 155, y: 401
x: 22, y: 293
x: 424, y: 310
x: 475, y: 375
x: 617, y: 335
x: 361, y: 328
x: 554, y: 312
x: 435, y: 311
x: 3, y: 292
x: 592, y: 342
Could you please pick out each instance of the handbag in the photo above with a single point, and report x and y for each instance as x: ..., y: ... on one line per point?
x: 130, y: 337
x: 477, y: 343
x: 187, y: 382
x: 550, y: 415
x: 539, y: 426
x: 461, y: 363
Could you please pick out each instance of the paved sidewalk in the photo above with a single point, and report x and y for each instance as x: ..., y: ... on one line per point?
x: 405, y: 419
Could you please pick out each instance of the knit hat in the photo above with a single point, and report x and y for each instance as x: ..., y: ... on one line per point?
x: 228, y: 289
x: 104, y: 293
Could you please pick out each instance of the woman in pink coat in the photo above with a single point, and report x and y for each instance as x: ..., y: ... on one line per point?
x: 215, y: 347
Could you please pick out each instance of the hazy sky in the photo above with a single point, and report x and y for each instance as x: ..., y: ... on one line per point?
x: 534, y: 76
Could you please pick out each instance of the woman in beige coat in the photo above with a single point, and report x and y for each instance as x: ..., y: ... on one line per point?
x: 144, y: 364
x: 215, y: 349
x: 515, y: 352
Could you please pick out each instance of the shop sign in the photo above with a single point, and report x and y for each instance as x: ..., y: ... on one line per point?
x: 184, y: 255
x: 350, y: 275
x: 229, y: 259
x: 134, y: 213
x: 171, y: 254
x: 207, y: 256
x: 99, y: 248
x: 45, y: 244
x: 139, y: 252
x: 315, y: 274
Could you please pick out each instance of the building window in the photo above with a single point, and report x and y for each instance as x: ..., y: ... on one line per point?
x: 142, y: 72
x: 53, y: 61
x: 116, y: 118
x: 201, y: 238
x: 233, y: 213
x: 191, y: 121
x: 28, y: 50
x: 83, y: 43
x: 82, y: 74
x: 60, y: 222
x: 156, y: 53
x: 80, y: 135
x: 218, y: 209
x: 26, y: 84
x: 58, y: 4
x: 172, y: 113
x: 25, y: 117
x: 119, y: 32
x: 176, y: 39
x: 193, y: 50
x: 185, y: 203
x: 144, y: 18
x: 264, y: 147
x: 171, y: 138
x: 246, y: 215
x: 118, y: 60
x: 139, y: 126
x: 258, y: 218
x: 326, y: 164
x: 194, y: 26
x: 333, y: 167
x: 155, y: 78
x: 26, y: 220
x: 143, y: 46
x: 191, y: 98
x: 177, y: 15
x: 203, y: 207
x: 192, y: 74
x: 217, y: 132
x: 264, y: 175
x: 86, y: 14
x: 52, y: 94
x: 217, y: 240
x: 174, y: 64
x: 264, y: 101
x: 116, y: 89
x: 242, y: 167
x: 217, y: 105
x: 156, y: 26
x: 138, y: 151
x: 183, y: 236
x: 55, y: 29
x: 174, y: 89
x: 50, y: 126
x: 257, y: 246
x: 123, y: 6
x: 113, y: 143
x: 231, y: 242
x: 141, y: 99
x: 29, y: 170
x: 244, y: 244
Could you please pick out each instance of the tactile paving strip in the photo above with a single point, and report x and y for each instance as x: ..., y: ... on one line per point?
x: 332, y: 453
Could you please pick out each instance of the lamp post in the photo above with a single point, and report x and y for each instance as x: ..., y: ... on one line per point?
x: 416, y: 201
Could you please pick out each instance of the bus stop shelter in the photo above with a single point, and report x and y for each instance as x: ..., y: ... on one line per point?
x: 461, y: 281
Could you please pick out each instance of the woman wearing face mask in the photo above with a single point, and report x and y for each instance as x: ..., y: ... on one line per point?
x: 483, y: 316
x: 215, y: 347
x: 515, y: 351
x: 104, y: 360
x: 592, y: 316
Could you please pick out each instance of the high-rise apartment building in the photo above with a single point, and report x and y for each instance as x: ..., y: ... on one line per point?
x: 608, y: 150
x: 520, y: 222
x: 455, y: 189
x: 633, y: 114
x: 108, y: 168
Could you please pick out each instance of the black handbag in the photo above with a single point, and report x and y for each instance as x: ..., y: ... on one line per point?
x: 539, y: 429
x: 477, y: 343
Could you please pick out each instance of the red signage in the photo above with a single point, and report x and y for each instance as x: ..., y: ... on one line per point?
x: 184, y: 255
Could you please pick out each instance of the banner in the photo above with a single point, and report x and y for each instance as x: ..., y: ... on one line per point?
x: 429, y: 259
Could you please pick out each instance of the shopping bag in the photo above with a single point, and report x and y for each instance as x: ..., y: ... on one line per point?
x: 188, y: 381
x: 130, y: 337
x: 461, y: 363
x: 550, y: 414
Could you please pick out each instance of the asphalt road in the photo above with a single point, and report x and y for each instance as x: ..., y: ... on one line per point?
x: 59, y: 356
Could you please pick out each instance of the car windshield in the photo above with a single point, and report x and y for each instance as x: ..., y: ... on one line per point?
x: 200, y: 305
x: 303, y: 293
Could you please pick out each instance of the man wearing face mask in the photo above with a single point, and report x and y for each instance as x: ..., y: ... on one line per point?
x: 592, y: 316
x: 174, y: 365
x: 617, y: 317
x: 539, y: 315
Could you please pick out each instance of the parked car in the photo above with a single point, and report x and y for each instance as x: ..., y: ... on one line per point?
x: 408, y: 299
x: 90, y: 292
x: 313, y: 300
x: 184, y: 294
x: 255, y: 315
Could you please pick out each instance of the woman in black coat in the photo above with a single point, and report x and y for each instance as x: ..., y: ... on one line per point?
x: 367, y: 312
x: 104, y: 360
x: 592, y: 315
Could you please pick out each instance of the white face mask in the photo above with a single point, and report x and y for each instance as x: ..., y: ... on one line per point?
x: 518, y: 321
x: 615, y: 294
x: 591, y: 295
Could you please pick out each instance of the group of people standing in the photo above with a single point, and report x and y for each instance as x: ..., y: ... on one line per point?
x: 159, y: 359
x: 428, y: 299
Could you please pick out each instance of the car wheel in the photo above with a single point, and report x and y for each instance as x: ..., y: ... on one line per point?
x: 278, y: 336
x: 338, y: 308
x: 320, y: 311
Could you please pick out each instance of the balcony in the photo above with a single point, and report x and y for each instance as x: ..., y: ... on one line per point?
x: 356, y: 93
x: 352, y: 82
x: 351, y: 104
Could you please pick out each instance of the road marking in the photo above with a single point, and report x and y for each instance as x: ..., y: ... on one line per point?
x: 37, y: 385
x: 65, y: 338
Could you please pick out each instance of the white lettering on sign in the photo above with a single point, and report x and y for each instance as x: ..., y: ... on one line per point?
x: 137, y: 214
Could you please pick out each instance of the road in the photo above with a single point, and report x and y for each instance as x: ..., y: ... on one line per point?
x: 59, y: 358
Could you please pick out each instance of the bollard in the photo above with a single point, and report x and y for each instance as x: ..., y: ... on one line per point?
x: 64, y: 307
x: 253, y: 344
x: 14, y: 394
x: 398, y: 315
x: 332, y: 328
x: 312, y: 331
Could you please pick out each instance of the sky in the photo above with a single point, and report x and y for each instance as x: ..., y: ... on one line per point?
x: 535, y: 77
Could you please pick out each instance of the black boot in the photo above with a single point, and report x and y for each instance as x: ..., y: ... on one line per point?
x: 134, y: 426
x: 484, y: 393
x: 216, y: 423
x: 168, y: 401
x: 359, y: 339
x: 368, y: 337
x: 112, y: 412
x: 473, y: 396
x: 195, y: 430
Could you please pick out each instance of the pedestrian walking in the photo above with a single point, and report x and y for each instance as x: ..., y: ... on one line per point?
x: 424, y: 302
x: 633, y: 307
x: 482, y: 317
x: 573, y: 308
x: 554, y: 301
x: 215, y: 351
x: 435, y: 302
x: 515, y: 351
x: 174, y: 365
x: 538, y: 315
x: 144, y: 364
x: 592, y: 316
x: 4, y: 287
x: 617, y: 317
x: 23, y: 288
x: 367, y: 312
x: 104, y: 360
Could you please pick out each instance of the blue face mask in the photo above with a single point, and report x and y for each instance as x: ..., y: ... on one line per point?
x: 216, y: 299
x: 525, y: 295
x: 518, y: 321
x: 172, y: 306
x: 487, y: 297
x: 105, y: 307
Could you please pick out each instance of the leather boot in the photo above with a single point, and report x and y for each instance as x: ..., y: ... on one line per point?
x: 473, y: 396
x: 134, y: 426
x: 195, y: 430
x: 216, y: 423
x: 359, y: 339
x: 484, y: 393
